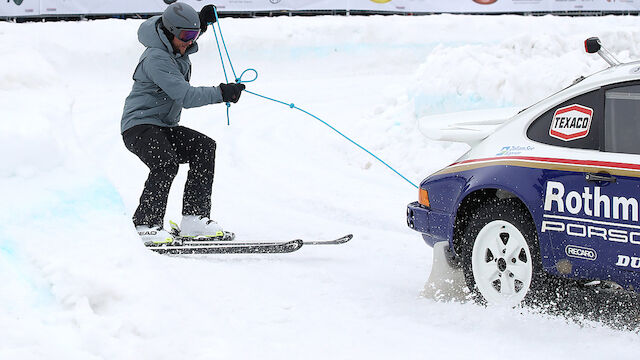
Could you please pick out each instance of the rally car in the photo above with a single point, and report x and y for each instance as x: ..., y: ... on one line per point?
x: 553, y: 191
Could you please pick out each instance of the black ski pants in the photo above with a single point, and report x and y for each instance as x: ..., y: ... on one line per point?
x: 162, y: 149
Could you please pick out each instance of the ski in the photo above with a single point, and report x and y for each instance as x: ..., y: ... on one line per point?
x: 200, y: 247
x: 190, y: 246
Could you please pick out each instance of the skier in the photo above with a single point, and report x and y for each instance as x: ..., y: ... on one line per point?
x: 150, y: 128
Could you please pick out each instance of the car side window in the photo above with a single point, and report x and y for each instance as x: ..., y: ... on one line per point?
x: 622, y: 120
x: 575, y: 123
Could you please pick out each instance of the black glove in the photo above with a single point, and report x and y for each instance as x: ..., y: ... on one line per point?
x: 207, y: 15
x: 231, y: 92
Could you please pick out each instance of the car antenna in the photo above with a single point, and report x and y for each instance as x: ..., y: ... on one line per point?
x: 593, y: 45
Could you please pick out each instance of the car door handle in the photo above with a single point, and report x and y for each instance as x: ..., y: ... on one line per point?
x: 600, y: 177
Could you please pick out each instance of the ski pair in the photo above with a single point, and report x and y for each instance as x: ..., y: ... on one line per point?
x: 200, y: 246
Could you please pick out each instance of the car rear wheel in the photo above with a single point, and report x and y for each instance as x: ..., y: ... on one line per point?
x: 501, y: 260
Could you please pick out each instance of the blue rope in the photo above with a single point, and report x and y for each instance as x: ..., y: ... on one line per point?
x: 290, y: 105
x: 221, y: 59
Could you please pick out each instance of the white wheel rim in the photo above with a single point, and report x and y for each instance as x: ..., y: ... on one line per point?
x: 501, y: 263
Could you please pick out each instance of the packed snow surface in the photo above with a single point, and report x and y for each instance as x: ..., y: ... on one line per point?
x: 76, y: 283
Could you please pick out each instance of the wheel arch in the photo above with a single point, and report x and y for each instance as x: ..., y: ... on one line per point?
x: 472, y: 202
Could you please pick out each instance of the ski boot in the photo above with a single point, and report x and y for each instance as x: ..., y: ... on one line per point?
x: 200, y: 228
x: 154, y: 235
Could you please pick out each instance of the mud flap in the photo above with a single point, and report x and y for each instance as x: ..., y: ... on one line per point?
x: 446, y: 281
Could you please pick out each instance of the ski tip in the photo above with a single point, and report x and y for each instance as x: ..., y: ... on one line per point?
x: 337, y: 241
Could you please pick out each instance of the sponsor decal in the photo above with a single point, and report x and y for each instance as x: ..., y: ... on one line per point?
x: 590, y: 214
x: 514, y: 150
x: 628, y: 261
x: 580, y: 252
x: 591, y: 202
x: 571, y: 122
x: 484, y: 2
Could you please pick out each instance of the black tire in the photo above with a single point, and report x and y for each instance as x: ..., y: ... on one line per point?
x: 517, y: 276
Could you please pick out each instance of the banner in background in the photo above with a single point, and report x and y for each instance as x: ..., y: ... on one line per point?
x: 10, y: 8
x: 19, y: 7
x: 505, y: 6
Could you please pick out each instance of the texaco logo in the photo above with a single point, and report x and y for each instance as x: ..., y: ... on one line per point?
x: 571, y: 122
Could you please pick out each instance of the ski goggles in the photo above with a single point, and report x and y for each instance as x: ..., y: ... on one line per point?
x: 188, y: 35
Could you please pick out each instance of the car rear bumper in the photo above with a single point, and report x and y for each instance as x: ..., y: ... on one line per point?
x: 434, y: 225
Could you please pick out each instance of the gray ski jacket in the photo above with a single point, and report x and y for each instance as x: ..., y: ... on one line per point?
x: 161, y: 82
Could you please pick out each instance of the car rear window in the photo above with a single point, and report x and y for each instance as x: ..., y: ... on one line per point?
x: 575, y: 123
x: 622, y: 120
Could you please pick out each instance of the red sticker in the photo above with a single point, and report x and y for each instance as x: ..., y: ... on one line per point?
x: 571, y: 122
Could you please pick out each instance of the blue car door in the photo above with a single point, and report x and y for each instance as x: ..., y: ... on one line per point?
x: 589, y: 224
x: 571, y: 183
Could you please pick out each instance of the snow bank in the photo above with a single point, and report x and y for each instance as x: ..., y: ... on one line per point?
x: 76, y: 284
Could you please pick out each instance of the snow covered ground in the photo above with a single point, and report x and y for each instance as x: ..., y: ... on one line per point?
x: 75, y: 282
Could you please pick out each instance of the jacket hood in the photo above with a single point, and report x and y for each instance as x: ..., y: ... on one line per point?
x: 151, y: 36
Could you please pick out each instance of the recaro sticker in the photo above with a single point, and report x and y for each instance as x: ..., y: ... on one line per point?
x: 580, y: 252
x: 571, y: 122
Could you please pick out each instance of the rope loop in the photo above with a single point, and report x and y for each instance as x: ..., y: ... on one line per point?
x: 239, y: 79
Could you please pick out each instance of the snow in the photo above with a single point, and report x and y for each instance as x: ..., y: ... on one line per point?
x: 75, y: 282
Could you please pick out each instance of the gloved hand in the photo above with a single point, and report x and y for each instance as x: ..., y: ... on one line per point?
x: 231, y: 92
x: 207, y: 15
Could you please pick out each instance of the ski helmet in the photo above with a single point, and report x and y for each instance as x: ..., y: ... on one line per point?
x: 182, y: 21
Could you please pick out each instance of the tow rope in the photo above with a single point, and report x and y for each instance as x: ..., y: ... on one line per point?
x: 239, y: 80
